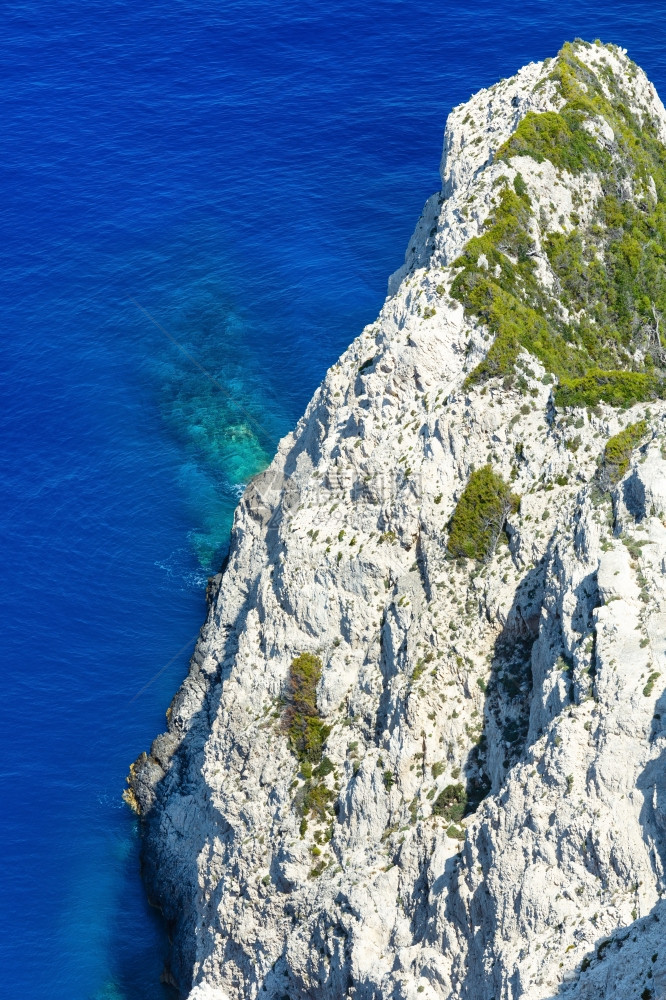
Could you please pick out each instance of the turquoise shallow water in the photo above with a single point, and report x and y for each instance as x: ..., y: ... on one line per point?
x: 249, y: 173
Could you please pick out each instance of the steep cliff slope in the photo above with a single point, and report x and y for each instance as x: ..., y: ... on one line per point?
x: 420, y: 750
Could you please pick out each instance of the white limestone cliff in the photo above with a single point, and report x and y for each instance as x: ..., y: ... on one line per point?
x: 537, y: 678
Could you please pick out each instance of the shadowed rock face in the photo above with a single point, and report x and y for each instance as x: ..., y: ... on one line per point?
x: 525, y: 692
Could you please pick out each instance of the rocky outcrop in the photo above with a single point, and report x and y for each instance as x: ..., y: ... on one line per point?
x: 486, y: 818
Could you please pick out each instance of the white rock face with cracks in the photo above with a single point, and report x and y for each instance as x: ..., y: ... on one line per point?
x: 538, y: 678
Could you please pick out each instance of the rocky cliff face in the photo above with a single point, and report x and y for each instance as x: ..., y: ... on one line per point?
x: 420, y: 750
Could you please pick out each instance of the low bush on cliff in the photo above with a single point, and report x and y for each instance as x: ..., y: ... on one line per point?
x: 451, y: 803
x: 316, y: 799
x: 306, y: 730
x: 617, y: 453
x: 652, y: 679
x: 480, y: 515
x: 619, y: 388
x: 307, y: 733
x: 556, y: 136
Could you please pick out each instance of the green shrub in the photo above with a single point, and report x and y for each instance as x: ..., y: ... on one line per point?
x: 306, y: 730
x: 480, y: 515
x: 326, y: 767
x: 307, y: 733
x: 619, y: 388
x: 654, y: 676
x: 558, y: 137
x: 317, y: 870
x: 418, y: 669
x: 519, y: 185
x: 617, y: 453
x: 317, y: 799
x: 451, y: 803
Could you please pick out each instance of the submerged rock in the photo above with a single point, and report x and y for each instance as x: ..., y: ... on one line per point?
x: 463, y: 796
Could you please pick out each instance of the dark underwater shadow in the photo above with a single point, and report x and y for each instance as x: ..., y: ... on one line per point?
x: 138, y: 956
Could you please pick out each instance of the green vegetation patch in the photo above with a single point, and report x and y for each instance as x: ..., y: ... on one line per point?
x: 451, y: 803
x: 654, y: 676
x: 317, y: 870
x: 610, y: 271
x: 506, y: 296
x: 480, y: 515
x: 306, y: 730
x: 618, y: 450
x: 559, y: 137
x: 307, y: 734
x: 316, y: 800
x: 619, y: 388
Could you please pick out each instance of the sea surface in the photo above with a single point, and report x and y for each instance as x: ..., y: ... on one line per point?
x: 201, y: 204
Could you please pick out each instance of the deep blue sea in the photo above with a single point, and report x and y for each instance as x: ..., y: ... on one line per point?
x: 189, y: 189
